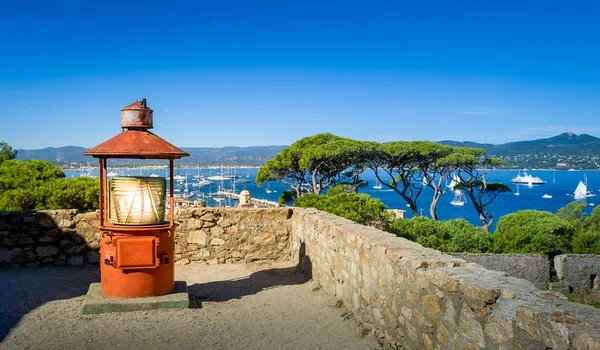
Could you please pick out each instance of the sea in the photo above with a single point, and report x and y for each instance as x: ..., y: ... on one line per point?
x: 560, y: 185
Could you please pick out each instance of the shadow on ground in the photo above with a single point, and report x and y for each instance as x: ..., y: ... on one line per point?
x: 24, y: 289
x: 218, y: 291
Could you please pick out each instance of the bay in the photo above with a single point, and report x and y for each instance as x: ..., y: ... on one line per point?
x: 559, y: 184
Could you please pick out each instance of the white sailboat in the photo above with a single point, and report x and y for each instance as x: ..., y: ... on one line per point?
x: 268, y: 190
x: 377, y: 186
x: 517, y: 193
x: 581, y: 192
x: 459, y: 199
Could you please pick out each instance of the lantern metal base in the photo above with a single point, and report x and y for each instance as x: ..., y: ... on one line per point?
x: 96, y: 303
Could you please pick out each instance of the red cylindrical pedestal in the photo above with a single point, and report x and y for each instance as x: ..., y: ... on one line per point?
x: 137, y: 261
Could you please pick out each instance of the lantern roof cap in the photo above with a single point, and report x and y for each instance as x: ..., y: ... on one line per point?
x: 140, y: 144
x: 137, y: 105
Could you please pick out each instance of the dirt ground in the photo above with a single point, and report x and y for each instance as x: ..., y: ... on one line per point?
x: 254, y: 306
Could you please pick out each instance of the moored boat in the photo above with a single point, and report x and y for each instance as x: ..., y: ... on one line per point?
x: 527, y: 179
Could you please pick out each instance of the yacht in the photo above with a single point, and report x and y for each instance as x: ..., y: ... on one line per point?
x: 527, y: 179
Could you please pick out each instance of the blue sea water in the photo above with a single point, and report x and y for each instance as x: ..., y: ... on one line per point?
x: 559, y: 184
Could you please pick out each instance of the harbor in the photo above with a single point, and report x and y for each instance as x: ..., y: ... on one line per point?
x: 556, y: 191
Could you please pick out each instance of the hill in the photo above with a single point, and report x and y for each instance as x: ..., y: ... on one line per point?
x: 566, y: 144
x: 250, y: 156
x: 572, y: 150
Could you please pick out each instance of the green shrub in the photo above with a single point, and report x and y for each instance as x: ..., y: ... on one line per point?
x: 456, y: 235
x: 35, y: 184
x: 533, y: 231
x: 586, y: 242
x: 358, y: 207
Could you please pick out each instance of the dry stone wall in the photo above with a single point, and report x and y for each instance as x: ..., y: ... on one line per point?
x: 217, y: 236
x: 412, y: 296
x: 578, y: 273
x: 54, y: 237
x: 532, y: 267
x: 205, y: 235
x: 420, y: 298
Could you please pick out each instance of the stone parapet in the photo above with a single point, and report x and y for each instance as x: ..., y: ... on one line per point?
x: 578, y: 273
x: 411, y: 296
x: 420, y: 298
x: 203, y: 235
x: 534, y: 268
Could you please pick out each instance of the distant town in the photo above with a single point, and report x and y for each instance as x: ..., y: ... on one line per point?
x: 562, y: 152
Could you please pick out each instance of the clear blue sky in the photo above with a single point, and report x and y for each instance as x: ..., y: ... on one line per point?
x: 226, y: 73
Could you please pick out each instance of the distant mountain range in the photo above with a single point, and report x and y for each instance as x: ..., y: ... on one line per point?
x: 566, y: 144
x: 254, y: 155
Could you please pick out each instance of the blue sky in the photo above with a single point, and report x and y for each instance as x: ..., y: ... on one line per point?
x: 269, y: 73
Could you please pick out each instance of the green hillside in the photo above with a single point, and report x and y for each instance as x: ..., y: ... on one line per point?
x: 566, y: 144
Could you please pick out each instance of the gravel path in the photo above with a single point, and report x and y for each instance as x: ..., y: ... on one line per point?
x: 254, y: 306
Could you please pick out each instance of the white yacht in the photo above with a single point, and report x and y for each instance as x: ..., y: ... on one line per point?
x: 527, y: 179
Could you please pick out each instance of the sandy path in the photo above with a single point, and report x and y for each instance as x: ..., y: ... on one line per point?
x: 256, y: 306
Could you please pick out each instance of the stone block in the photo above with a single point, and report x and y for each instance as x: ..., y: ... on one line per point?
x: 469, y: 326
x: 48, y: 250
x: 75, y: 260
x: 197, y: 237
x: 96, y: 303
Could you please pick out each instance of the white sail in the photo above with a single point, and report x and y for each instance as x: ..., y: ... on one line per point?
x: 459, y: 199
x: 580, y: 191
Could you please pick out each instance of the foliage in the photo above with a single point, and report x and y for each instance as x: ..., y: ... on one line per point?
x: 586, y: 242
x: 473, y: 174
x: 358, y: 207
x: 533, y: 231
x: 448, y: 236
x: 76, y: 193
x: 35, y: 184
x: 287, y: 197
x: 408, y: 167
x: 586, y: 239
x: 315, y: 163
x: 6, y: 152
x: 16, y: 174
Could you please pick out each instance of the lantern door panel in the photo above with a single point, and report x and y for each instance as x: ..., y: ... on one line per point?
x: 135, y: 252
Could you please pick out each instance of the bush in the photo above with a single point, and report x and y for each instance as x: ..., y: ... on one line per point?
x: 586, y: 242
x: 448, y: 236
x: 532, y: 231
x: 358, y: 207
x: 40, y: 185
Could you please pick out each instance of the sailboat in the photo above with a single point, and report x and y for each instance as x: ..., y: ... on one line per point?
x: 581, y: 192
x: 517, y: 193
x: 377, y: 185
x: 459, y: 199
x: 268, y: 190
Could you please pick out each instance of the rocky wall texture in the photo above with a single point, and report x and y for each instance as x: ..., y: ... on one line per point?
x: 217, y: 235
x: 204, y: 235
x: 534, y: 268
x: 52, y: 237
x: 419, y: 298
x: 578, y: 273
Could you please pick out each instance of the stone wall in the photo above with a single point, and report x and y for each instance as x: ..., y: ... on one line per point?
x: 217, y: 236
x: 412, y: 296
x: 534, y: 268
x: 578, y: 273
x: 54, y: 237
x: 205, y: 235
x: 420, y: 298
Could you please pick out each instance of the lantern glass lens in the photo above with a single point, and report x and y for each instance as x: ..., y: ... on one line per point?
x: 137, y: 200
